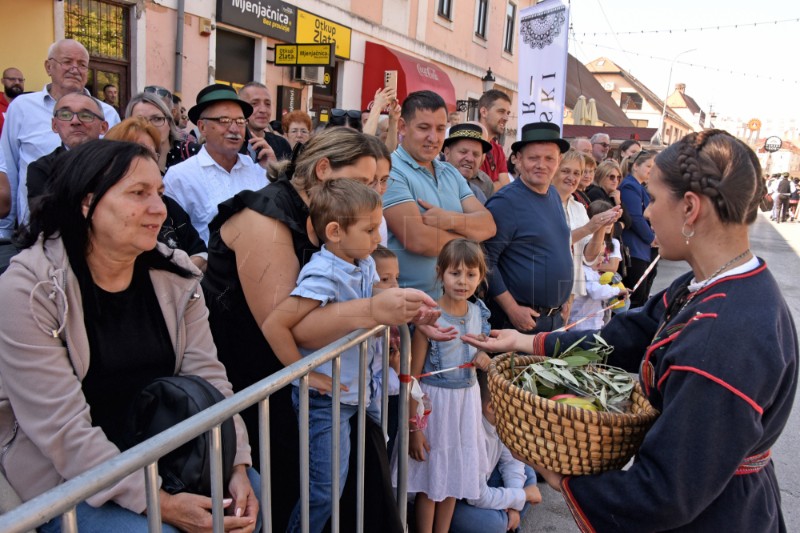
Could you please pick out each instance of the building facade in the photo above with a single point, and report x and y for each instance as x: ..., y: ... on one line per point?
x: 184, y: 45
x: 639, y: 103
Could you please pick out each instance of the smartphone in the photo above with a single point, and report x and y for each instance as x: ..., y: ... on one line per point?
x: 390, y: 79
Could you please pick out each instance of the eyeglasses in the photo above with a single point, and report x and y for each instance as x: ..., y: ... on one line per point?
x: 352, y: 113
x: 614, y: 177
x: 18, y: 80
x: 87, y: 117
x: 604, y: 145
x: 156, y: 120
x: 68, y: 64
x: 295, y: 131
x: 159, y: 91
x: 226, y: 121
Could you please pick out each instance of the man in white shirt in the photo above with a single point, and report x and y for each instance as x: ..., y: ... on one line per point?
x: 218, y: 171
x: 28, y: 133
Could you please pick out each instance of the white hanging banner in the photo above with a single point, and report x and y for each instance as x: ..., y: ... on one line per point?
x: 543, y: 47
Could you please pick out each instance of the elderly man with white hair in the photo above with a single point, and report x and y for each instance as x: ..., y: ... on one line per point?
x: 28, y: 132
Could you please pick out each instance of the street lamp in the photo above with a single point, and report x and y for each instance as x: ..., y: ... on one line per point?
x: 661, y: 128
x: 488, y: 80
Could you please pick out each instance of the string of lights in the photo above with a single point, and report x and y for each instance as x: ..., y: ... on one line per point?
x: 695, y: 65
x: 687, y: 30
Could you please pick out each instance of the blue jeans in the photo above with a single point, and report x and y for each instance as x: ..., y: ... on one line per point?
x: 320, y: 421
x: 471, y: 519
x: 112, y: 517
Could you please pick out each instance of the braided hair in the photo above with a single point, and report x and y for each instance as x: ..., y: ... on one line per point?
x: 719, y: 166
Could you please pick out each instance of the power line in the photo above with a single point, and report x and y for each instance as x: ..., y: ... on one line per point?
x: 608, y: 22
x: 695, y: 65
x: 687, y: 30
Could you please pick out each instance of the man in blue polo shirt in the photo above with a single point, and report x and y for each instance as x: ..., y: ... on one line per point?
x: 530, y: 262
x: 428, y: 203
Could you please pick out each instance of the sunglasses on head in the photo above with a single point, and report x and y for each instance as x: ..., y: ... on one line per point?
x: 638, y: 154
x: 159, y: 91
x: 352, y: 113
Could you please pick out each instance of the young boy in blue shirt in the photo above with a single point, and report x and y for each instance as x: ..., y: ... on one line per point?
x: 345, y: 215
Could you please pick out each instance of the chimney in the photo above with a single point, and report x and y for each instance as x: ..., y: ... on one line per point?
x: 680, y: 87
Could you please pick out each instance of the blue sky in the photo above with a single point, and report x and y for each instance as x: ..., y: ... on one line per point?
x: 753, y: 53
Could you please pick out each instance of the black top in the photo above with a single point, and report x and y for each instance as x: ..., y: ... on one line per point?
x: 177, y: 230
x: 181, y: 151
x: 581, y: 198
x: 595, y: 192
x: 41, y: 171
x: 235, y: 330
x: 129, y: 344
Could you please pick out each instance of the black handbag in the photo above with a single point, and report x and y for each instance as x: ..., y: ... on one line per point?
x: 166, y: 402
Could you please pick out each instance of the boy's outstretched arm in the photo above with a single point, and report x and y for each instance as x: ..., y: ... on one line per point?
x: 277, y: 329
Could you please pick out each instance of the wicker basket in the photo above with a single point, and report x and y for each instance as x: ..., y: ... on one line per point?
x: 560, y: 437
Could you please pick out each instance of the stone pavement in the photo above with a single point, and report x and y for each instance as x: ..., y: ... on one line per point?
x: 779, y: 246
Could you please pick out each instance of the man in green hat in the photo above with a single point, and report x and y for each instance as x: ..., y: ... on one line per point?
x: 529, y: 259
x: 218, y: 171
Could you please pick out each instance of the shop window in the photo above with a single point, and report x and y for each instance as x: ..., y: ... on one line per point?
x: 508, y: 34
x: 445, y: 9
x: 235, y: 58
x: 481, y: 14
x: 104, y: 29
x: 473, y: 112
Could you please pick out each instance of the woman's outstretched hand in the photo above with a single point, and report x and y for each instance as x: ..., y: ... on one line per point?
x: 395, y: 307
x: 438, y: 333
x: 500, y: 340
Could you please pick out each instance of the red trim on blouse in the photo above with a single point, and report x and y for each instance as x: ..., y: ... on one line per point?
x: 577, y: 513
x: 538, y: 344
x: 716, y: 380
x: 698, y: 316
x: 662, y: 342
x: 743, y: 275
x: 713, y: 296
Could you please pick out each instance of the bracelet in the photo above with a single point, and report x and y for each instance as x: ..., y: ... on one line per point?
x: 412, y: 425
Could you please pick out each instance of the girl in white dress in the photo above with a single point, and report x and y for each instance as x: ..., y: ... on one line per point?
x: 449, y: 455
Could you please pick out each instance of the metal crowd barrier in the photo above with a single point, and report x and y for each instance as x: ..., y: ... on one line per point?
x: 61, y: 500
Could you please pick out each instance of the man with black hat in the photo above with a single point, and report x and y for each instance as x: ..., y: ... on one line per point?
x: 529, y: 259
x: 465, y: 148
x: 218, y: 171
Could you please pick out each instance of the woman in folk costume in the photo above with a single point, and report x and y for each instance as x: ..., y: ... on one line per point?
x: 716, y: 353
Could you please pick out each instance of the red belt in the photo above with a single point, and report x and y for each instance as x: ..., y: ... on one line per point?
x: 754, y: 463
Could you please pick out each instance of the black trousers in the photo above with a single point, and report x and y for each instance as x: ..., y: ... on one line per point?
x: 783, y: 207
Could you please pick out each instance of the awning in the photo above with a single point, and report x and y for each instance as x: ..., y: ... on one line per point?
x: 412, y: 75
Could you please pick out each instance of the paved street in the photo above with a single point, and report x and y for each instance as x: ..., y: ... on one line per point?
x: 779, y: 246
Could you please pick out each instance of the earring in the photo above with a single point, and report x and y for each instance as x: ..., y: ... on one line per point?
x: 686, y: 234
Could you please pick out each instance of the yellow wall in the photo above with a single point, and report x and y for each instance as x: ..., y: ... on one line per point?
x: 25, y: 35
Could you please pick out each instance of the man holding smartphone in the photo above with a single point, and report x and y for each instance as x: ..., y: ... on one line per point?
x: 260, y: 142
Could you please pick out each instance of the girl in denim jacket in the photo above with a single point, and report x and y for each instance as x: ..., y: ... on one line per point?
x: 449, y: 456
